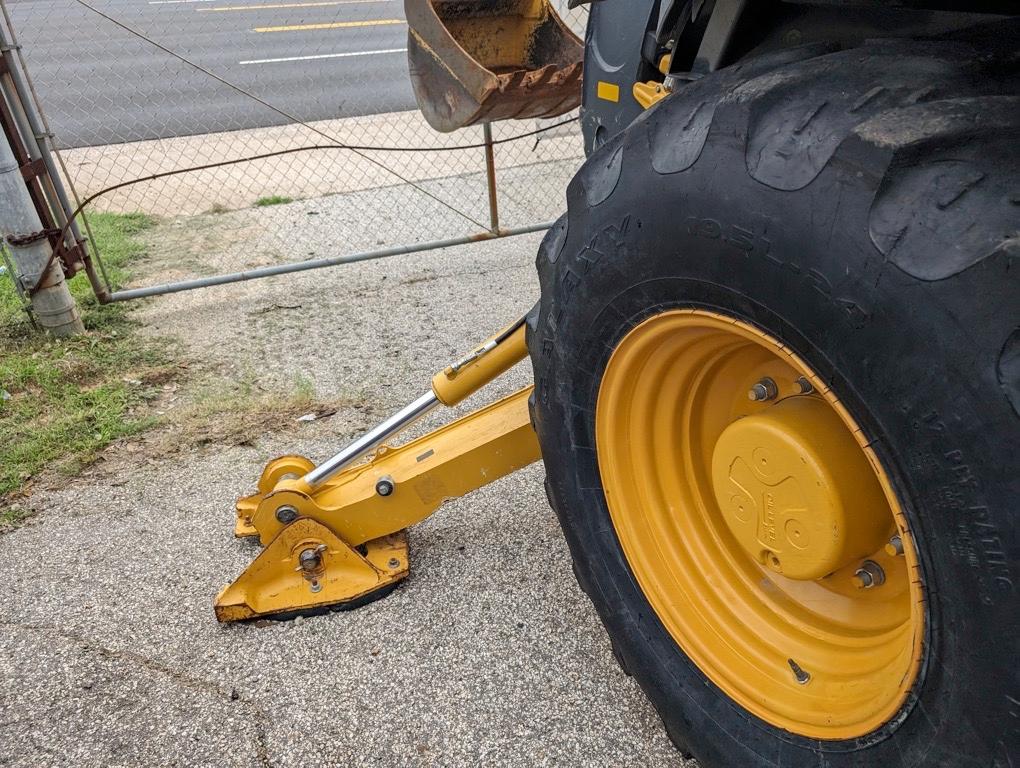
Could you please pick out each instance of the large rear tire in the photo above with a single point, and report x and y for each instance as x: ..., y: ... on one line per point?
x: 844, y: 226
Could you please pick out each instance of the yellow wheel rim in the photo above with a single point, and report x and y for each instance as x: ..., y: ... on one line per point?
x: 764, y: 533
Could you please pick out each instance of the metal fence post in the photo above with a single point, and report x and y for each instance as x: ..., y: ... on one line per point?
x: 52, y: 303
x: 490, y: 176
x: 36, y: 138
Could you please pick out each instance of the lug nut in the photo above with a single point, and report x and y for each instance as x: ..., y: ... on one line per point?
x: 870, y: 574
x: 895, y: 546
x: 765, y: 389
x: 286, y: 514
x: 385, y: 486
x: 806, y: 387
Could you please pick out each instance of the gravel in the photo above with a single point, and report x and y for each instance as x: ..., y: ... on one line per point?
x: 489, y: 654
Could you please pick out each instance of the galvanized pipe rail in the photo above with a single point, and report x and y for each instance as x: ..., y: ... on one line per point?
x: 330, y: 261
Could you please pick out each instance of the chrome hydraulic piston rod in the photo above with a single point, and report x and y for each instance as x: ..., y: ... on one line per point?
x: 449, y: 387
x: 372, y: 439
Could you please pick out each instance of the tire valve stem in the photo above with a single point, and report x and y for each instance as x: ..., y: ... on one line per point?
x: 765, y: 389
x: 802, y: 675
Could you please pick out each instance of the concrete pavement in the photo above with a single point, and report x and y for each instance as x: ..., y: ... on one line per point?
x: 319, y: 173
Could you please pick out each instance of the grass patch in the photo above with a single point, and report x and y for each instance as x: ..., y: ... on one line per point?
x: 117, y: 238
x: 265, y: 202
x: 13, y: 516
x: 63, y: 401
x: 232, y: 411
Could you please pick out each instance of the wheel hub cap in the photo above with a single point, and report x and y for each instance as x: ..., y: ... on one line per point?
x: 796, y: 491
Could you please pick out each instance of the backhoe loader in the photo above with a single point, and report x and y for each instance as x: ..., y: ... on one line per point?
x: 776, y: 368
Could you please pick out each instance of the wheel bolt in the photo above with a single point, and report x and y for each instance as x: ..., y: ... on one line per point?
x: 806, y: 387
x: 765, y: 389
x: 894, y: 547
x: 385, y: 486
x: 870, y: 574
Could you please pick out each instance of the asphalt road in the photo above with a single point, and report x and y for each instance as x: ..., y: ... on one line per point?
x: 314, y: 59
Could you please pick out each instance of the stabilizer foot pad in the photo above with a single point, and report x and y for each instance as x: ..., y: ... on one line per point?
x: 280, y: 583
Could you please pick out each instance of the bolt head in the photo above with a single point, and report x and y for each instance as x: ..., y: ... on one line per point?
x: 895, y: 547
x: 393, y: 563
x: 862, y: 579
x: 765, y: 389
x: 870, y: 574
x: 385, y: 486
x: 310, y: 559
x: 286, y: 514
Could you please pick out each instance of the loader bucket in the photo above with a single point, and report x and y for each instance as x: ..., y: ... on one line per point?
x: 475, y: 61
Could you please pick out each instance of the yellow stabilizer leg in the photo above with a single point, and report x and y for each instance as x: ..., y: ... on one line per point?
x: 334, y: 533
x: 362, y: 508
x: 308, y: 568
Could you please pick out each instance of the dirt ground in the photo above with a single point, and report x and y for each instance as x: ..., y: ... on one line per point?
x: 489, y: 654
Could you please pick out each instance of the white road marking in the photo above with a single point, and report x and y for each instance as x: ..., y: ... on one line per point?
x: 323, y: 56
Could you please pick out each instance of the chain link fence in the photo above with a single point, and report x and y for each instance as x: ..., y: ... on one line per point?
x: 133, y: 88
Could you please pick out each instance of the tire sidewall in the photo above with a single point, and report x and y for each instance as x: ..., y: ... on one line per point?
x: 854, y: 322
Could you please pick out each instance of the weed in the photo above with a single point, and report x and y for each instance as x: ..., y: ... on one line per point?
x: 62, y: 401
x: 265, y: 202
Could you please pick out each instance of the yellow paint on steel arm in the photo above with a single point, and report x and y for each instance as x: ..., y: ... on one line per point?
x: 487, y: 362
x: 449, y: 462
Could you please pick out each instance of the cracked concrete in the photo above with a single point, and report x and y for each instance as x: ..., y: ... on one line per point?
x: 488, y: 655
